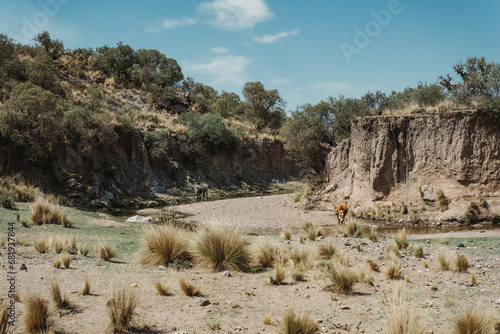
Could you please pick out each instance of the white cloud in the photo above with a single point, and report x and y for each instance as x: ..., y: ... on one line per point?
x: 219, y: 49
x: 273, y: 38
x: 222, y: 69
x: 235, y: 14
x: 170, y: 24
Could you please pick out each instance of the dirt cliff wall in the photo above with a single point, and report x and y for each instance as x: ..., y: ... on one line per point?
x: 407, y: 158
x: 101, y: 175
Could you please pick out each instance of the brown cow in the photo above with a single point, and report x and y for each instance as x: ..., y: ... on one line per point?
x: 341, y: 212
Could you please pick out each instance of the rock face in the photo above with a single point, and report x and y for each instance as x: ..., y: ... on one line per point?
x: 407, y: 158
x: 101, y: 175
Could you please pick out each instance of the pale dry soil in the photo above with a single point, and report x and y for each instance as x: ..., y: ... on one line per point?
x: 240, y: 302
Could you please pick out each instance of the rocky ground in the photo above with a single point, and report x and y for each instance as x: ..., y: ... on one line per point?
x: 238, y: 302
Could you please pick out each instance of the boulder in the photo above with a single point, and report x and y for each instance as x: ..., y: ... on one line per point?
x: 139, y: 219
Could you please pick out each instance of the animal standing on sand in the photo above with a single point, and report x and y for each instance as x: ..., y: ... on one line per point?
x: 202, y: 193
x: 341, y: 212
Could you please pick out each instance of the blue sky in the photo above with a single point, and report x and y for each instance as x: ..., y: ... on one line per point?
x: 308, y: 50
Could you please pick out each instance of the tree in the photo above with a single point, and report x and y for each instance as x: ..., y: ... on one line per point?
x: 42, y: 72
x: 54, y: 48
x: 477, y: 80
x: 31, y: 120
x: 6, y: 49
x: 266, y: 107
x: 309, y: 134
x: 153, y: 66
x: 229, y: 104
x: 345, y: 110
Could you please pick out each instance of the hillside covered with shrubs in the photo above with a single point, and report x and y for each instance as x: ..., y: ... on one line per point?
x: 55, y: 102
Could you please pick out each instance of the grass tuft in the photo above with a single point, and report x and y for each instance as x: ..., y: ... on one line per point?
x: 44, y: 212
x: 311, y: 230
x: 66, y: 261
x: 104, y: 251
x: 267, y: 319
x: 326, y: 250
x: 41, y: 245
x: 162, y: 289
x: 279, y: 274
x: 4, y: 319
x: 342, y: 277
x: 85, y: 291
x: 393, y: 271
x: 444, y: 260
x: 400, y: 239
x: 373, y: 265
x: 266, y: 251
x: 222, y: 248
x: 372, y: 234
x: 121, y: 309
x: 405, y: 318
x: 461, y: 263
x: 189, y: 289
x: 60, y: 300
x: 163, y: 244
x: 298, y: 324
x: 442, y: 202
x: 351, y: 227
x: 38, y: 318
x: 474, y: 321
x: 419, y: 252
x: 287, y: 234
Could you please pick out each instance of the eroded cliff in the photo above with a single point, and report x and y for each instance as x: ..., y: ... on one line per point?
x: 406, y: 159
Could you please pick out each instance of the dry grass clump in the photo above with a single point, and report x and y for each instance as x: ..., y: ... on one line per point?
x: 287, y: 234
x: 298, y: 324
x: 298, y: 276
x: 404, y: 317
x: 222, y: 248
x: 41, y: 245
x: 189, y: 289
x: 60, y: 300
x: 44, y: 212
x: 373, y: 265
x: 473, y: 278
x: 419, y: 252
x: 302, y: 256
x: 4, y: 319
x: 351, y: 227
x: 66, y: 261
x: 444, y: 260
x: 311, y: 230
x: 393, y: 271
x: 372, y: 234
x: 474, y: 321
x: 393, y: 247
x: 425, y: 263
x: 162, y: 289
x: 400, y: 239
x: 461, y: 263
x: 57, y: 262
x: 38, y: 317
x: 279, y: 274
x: 265, y: 252
x: 104, y: 251
x: 442, y: 202
x: 163, y: 244
x: 121, y: 309
x: 85, y: 291
x: 342, y: 277
x: 267, y: 319
x: 326, y: 250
